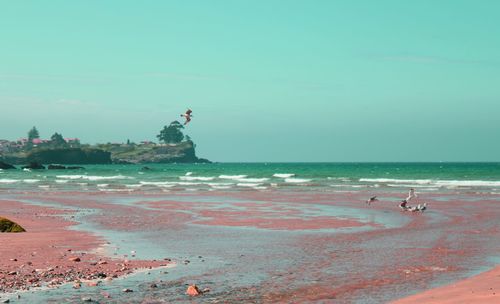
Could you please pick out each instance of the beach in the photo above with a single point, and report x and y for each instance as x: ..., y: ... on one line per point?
x: 282, y: 234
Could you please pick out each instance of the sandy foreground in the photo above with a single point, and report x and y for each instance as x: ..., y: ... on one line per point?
x: 269, y: 247
x: 51, y: 254
x: 483, y: 288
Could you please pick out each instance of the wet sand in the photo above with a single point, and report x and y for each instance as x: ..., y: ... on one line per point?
x: 481, y: 289
x: 51, y: 254
x: 258, y: 247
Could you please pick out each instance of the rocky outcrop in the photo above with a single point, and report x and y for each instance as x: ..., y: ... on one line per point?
x: 34, y: 165
x: 61, y: 167
x: 167, y: 153
x: 5, y: 166
x: 70, y: 156
x: 7, y: 225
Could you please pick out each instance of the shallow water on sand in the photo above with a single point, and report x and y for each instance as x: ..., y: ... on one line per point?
x: 251, y: 235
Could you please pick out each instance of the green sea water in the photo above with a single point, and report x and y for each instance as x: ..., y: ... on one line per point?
x: 257, y: 176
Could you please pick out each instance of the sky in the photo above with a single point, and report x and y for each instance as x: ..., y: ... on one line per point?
x: 268, y: 81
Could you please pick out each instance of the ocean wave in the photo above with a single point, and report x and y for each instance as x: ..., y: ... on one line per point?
x: 189, y: 173
x: 259, y: 188
x: 248, y: 184
x: 154, y: 183
x: 93, y: 177
x: 116, y: 190
x: 252, y: 180
x: 133, y: 185
x: 102, y: 185
x: 297, y: 180
x: 8, y: 181
x: 62, y: 181
x: 232, y: 176
x: 397, y: 181
x: 30, y: 181
x: 221, y: 187
x: 283, y: 175
x: 197, y: 178
x: 219, y: 184
x: 439, y: 183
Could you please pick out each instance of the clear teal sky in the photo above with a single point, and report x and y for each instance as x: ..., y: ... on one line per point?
x: 267, y: 80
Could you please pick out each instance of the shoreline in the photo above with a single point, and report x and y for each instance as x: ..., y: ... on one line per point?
x: 483, y: 288
x: 51, y: 254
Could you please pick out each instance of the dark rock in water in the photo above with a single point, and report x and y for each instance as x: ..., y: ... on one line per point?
x: 6, y: 166
x: 56, y: 167
x: 75, y: 168
x: 34, y: 165
x: 146, y: 168
x: 7, y: 225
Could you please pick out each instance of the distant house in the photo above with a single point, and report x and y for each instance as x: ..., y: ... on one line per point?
x: 146, y: 142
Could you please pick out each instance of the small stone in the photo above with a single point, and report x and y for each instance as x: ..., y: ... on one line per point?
x: 6, y: 301
x: 13, y: 260
x: 153, y: 285
x: 193, y: 291
x: 127, y: 290
x: 102, y: 263
x: 12, y: 273
x: 86, y: 299
x: 74, y: 259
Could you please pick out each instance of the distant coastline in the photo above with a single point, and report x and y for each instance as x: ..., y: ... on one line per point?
x: 174, y: 147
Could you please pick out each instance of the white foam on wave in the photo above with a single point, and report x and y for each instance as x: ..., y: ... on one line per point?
x: 197, y: 178
x: 93, y: 177
x: 189, y: 173
x: 133, y: 185
x: 62, y: 181
x: 220, y: 184
x: 116, y: 190
x: 259, y: 188
x: 396, y: 181
x: 221, y: 187
x: 102, y: 185
x: 283, y: 175
x: 188, y: 183
x: 248, y: 184
x: 297, y: 180
x: 252, y: 180
x: 30, y: 181
x: 154, y: 183
x: 8, y: 181
x: 430, y: 182
x: 232, y: 176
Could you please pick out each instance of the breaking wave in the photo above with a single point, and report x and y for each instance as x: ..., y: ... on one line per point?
x: 283, y: 175
x: 430, y: 182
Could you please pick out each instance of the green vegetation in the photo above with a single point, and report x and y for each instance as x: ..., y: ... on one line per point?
x: 174, y: 147
x: 171, y: 134
x: 57, y: 141
x: 9, y: 226
x: 32, y: 134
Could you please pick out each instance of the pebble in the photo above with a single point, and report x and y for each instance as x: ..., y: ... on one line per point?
x: 127, y: 290
x: 86, y: 299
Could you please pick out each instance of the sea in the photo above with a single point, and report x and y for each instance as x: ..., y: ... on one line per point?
x: 322, y: 177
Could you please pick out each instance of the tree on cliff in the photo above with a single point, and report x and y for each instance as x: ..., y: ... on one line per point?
x: 32, y: 134
x: 171, y: 134
x: 57, y: 140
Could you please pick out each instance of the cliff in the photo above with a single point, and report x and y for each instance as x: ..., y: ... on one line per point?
x: 183, y: 152
x: 60, y: 156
